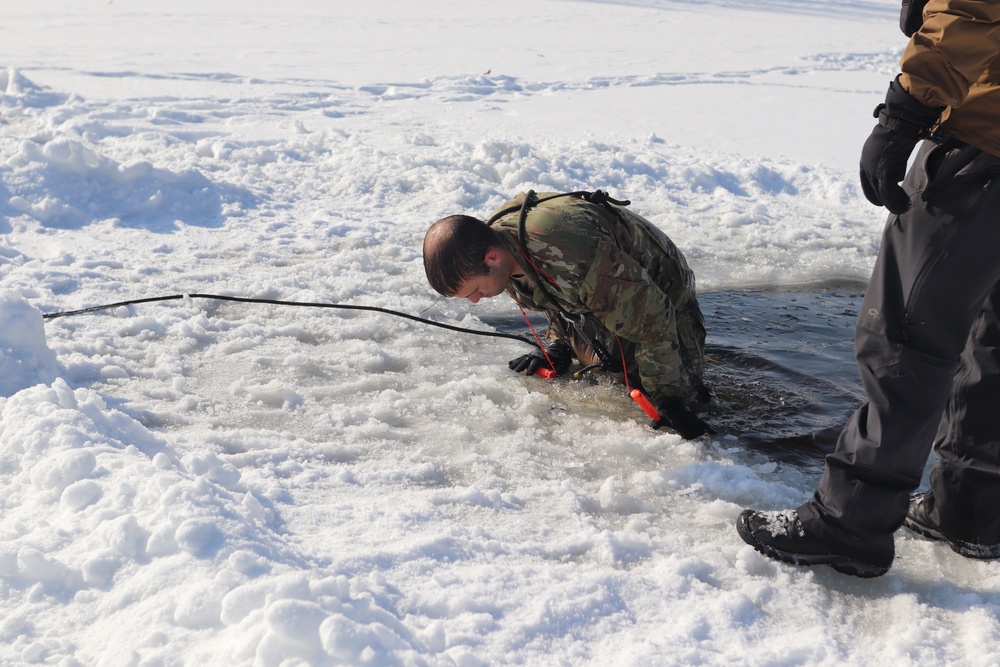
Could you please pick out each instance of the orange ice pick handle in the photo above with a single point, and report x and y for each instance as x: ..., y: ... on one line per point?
x: 644, y: 403
x: 545, y: 372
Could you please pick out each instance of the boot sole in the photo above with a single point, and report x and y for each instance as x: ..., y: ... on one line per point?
x: 841, y: 564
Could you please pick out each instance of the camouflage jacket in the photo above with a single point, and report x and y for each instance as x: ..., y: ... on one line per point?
x: 604, y: 266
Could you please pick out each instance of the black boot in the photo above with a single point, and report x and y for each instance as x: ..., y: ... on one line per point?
x: 780, y: 535
x: 918, y: 519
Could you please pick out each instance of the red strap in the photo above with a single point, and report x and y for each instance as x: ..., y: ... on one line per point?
x: 636, y: 394
x: 550, y: 279
x: 537, y: 339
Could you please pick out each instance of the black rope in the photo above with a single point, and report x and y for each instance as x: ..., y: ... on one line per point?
x: 277, y: 302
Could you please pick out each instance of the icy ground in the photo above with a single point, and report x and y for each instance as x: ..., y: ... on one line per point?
x: 196, y: 483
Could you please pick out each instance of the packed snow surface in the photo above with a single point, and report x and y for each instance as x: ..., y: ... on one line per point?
x: 208, y: 483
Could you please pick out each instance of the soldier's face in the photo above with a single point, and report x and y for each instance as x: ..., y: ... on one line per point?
x: 485, y: 286
x: 500, y: 266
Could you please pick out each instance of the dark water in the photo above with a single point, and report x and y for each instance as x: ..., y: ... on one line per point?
x: 781, y: 363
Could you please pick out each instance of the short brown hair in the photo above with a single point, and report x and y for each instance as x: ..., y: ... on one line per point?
x: 454, y: 250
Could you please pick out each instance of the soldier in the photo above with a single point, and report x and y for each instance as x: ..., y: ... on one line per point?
x: 613, y: 286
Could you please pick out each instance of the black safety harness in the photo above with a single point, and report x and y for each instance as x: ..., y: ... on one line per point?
x: 608, y: 362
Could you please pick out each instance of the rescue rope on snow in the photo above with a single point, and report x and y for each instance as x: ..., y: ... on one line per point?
x: 636, y: 394
x: 279, y: 302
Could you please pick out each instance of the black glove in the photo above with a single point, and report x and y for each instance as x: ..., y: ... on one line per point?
x: 560, y: 354
x: 902, y: 122
x: 676, y: 415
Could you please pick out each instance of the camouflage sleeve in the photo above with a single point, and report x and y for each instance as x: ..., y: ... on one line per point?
x: 556, y: 333
x: 625, y: 299
x: 562, y: 252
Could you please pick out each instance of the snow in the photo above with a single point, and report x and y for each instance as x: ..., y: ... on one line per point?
x: 207, y: 483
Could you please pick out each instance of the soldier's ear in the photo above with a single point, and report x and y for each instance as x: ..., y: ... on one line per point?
x: 492, y: 256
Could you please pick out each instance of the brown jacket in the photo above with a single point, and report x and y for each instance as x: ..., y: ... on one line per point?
x: 953, y: 61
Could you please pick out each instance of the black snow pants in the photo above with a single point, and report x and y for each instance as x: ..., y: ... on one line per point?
x: 927, y: 344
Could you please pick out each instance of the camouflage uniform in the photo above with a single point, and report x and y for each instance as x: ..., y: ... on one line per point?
x: 605, y: 275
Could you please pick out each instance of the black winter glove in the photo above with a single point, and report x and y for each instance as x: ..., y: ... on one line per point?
x: 676, y: 415
x: 902, y: 122
x: 560, y: 354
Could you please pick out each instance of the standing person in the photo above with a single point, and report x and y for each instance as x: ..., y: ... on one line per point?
x: 928, y: 338
x: 613, y: 286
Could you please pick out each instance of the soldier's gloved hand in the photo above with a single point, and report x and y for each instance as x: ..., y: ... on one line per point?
x: 560, y: 354
x: 902, y: 122
x: 676, y: 415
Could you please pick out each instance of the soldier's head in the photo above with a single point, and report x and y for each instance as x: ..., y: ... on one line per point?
x: 464, y: 257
